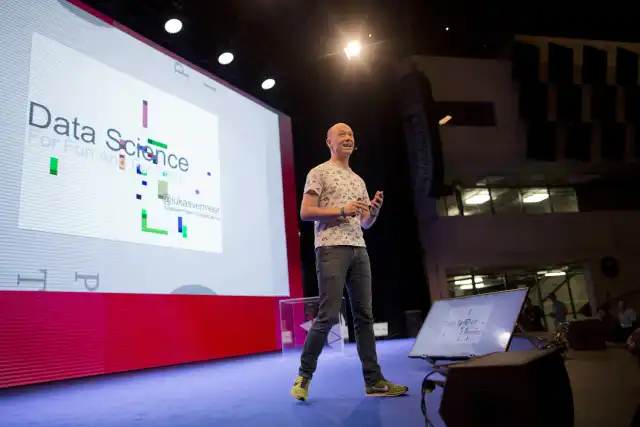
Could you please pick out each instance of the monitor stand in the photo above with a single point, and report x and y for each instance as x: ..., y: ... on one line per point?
x: 540, y: 343
x: 535, y: 341
x: 443, y: 369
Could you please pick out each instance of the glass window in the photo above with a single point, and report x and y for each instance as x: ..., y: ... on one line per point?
x: 460, y: 286
x: 489, y: 283
x: 536, y: 200
x: 475, y: 284
x: 485, y: 201
x: 452, y: 206
x: 563, y: 199
x: 519, y: 279
x: 579, y: 293
x: 447, y: 206
x: 476, y: 201
x: 506, y: 200
x: 441, y: 207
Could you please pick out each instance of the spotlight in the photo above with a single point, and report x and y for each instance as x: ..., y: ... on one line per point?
x: 353, y: 49
x: 445, y: 120
x: 268, y: 84
x: 226, y: 58
x: 173, y: 26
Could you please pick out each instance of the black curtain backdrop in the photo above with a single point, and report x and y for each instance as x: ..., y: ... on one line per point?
x: 366, y: 99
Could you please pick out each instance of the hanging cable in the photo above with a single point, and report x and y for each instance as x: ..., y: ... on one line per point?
x: 428, y: 386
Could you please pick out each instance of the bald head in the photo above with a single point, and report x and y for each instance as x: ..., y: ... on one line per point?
x: 335, y: 127
x: 340, y: 140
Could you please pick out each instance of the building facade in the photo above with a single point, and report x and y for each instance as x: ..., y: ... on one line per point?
x: 541, y: 154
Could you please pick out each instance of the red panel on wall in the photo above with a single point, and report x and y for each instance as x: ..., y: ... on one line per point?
x: 46, y: 336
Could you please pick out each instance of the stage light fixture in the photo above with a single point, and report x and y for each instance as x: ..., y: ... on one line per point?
x: 555, y: 273
x: 226, y: 58
x: 268, y: 84
x: 173, y: 26
x: 353, y: 49
x: 445, y: 120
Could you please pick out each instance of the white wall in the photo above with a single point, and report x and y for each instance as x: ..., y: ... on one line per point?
x: 473, y: 153
x: 476, y: 151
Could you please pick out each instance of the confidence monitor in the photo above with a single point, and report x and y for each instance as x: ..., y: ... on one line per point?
x: 461, y: 328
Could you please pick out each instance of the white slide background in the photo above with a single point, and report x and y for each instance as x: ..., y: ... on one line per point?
x: 91, y: 195
x: 81, y: 231
x: 469, y: 326
x: 465, y: 325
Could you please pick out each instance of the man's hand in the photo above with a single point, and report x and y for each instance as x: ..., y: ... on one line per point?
x: 370, y: 216
x: 354, y: 208
x: 376, y: 203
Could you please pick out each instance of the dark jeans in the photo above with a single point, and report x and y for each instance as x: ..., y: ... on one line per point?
x: 335, y: 266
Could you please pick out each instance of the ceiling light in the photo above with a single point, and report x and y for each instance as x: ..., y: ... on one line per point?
x: 477, y: 279
x: 226, y: 58
x: 535, y: 197
x: 353, y: 49
x: 445, y: 120
x: 555, y: 273
x: 268, y: 84
x: 446, y: 28
x: 478, y: 198
x: 173, y: 26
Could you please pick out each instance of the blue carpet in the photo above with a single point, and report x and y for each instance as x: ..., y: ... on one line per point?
x: 244, y: 392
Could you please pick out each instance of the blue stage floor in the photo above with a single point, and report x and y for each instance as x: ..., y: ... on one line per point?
x: 244, y: 392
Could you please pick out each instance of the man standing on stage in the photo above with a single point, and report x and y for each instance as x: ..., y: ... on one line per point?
x: 336, y: 199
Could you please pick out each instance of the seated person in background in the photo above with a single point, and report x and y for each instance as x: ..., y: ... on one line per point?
x: 627, y: 321
x: 608, y: 322
x: 531, y: 317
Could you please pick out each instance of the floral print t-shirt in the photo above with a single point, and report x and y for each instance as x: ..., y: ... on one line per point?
x: 336, y: 186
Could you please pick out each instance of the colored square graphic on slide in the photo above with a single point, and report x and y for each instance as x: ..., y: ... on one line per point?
x: 163, y: 189
x: 123, y: 149
x: 53, y: 166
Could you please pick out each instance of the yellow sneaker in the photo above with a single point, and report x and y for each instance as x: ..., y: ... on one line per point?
x: 300, y: 389
x: 386, y: 388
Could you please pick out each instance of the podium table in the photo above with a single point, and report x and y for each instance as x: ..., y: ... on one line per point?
x: 296, y: 318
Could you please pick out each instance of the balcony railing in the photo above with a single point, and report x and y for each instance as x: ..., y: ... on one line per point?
x: 497, y: 201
